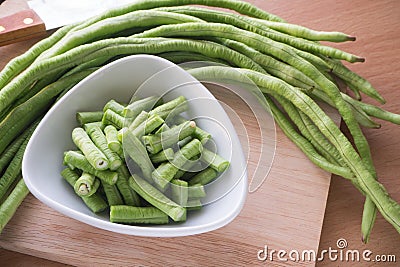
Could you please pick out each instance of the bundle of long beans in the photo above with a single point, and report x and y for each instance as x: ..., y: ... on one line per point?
x: 286, y: 61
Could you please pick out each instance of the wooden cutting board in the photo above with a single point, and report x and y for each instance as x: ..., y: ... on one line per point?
x: 286, y: 212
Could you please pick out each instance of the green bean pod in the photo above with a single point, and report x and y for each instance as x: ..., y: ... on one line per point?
x: 77, y: 160
x: 137, y: 152
x: 112, y: 138
x: 166, y: 139
x: 94, y: 202
x: 12, y: 202
x: 157, y: 199
x: 100, y: 140
x: 92, y: 153
x: 128, y: 195
x: 135, y: 108
x: 88, y: 116
x: 137, y: 215
x: 114, y: 106
x: 86, y: 185
x: 204, y: 177
x: 112, y: 194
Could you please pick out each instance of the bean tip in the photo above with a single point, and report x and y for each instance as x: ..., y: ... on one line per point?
x: 192, y: 124
x: 359, y: 59
x: 351, y: 38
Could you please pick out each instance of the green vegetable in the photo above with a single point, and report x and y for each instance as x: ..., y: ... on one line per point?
x: 179, y: 192
x: 194, y: 204
x: 93, y: 154
x: 10, y: 205
x: 129, y: 196
x: 13, y: 171
x: 89, y: 116
x: 274, y: 54
x: 137, y: 215
x: 214, y: 160
x: 114, y: 106
x: 77, y: 160
x: 162, y: 156
x: 112, y: 194
x: 100, y: 140
x: 166, y: 139
x: 137, y: 152
x: 196, y: 191
x: 156, y: 198
x: 94, y: 202
x: 166, y: 172
x: 112, y: 138
x: 148, y: 126
x: 135, y: 108
x: 204, y: 177
x: 86, y: 185
x: 113, y: 118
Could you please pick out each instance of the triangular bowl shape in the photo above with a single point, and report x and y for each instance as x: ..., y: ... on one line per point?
x: 119, y: 80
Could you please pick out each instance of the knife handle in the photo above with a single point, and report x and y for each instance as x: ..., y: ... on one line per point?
x: 21, y: 26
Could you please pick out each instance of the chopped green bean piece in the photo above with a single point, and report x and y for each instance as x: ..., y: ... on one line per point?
x: 162, y: 128
x: 157, y: 199
x: 166, y: 172
x: 189, y: 166
x: 148, y: 126
x: 113, y: 118
x: 77, y: 160
x: 196, y: 191
x: 88, y: 116
x: 137, y: 152
x: 114, y: 106
x: 155, y: 143
x: 179, y: 192
x: 86, y: 185
x: 171, y: 108
x: 94, y: 202
x: 89, y: 125
x: 94, y: 156
x: 141, y: 117
x: 112, y: 138
x: 137, y: 215
x: 162, y: 156
x: 112, y: 194
x: 100, y: 140
x: 199, y: 133
x: 214, y: 160
x: 129, y: 196
x: 202, y: 135
x: 204, y: 177
x: 184, y: 141
x: 194, y: 204
x: 135, y: 108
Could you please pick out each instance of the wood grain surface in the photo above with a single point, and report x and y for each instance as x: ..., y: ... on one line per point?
x: 287, y: 211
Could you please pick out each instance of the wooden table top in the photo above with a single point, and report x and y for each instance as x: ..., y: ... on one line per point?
x: 376, y: 26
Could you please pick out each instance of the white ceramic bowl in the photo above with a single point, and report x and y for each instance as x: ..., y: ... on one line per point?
x: 119, y: 80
